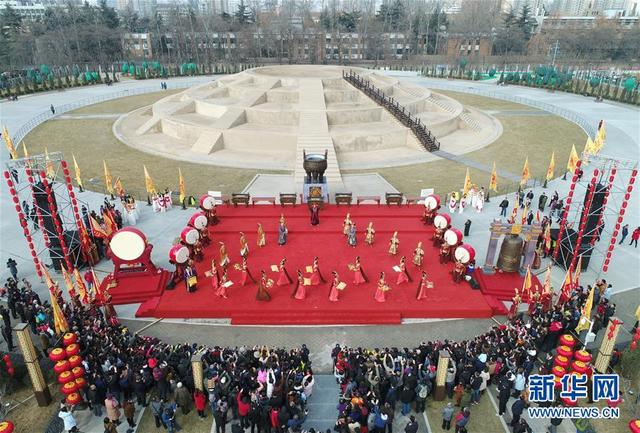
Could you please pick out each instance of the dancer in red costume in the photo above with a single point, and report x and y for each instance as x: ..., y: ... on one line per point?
x: 403, y: 275
x: 358, y: 274
x: 222, y: 287
x: 335, y: 291
x: 283, y: 278
x: 244, y: 245
x: 215, y: 277
x: 299, y: 291
x: 423, y: 286
x: 246, y: 274
x: 263, y: 285
x: 382, y: 289
x: 316, y: 276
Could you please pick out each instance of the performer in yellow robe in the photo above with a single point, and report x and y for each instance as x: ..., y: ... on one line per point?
x: 224, y: 258
x: 368, y: 239
x: 418, y: 255
x: 393, y: 244
x: 346, y: 225
x: 262, y: 239
x: 244, y: 246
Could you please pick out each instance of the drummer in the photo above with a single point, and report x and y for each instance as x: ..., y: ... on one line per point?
x: 190, y: 277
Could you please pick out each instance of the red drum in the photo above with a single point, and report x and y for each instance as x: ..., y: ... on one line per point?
x: 57, y: 354
x: 562, y: 361
x: 432, y: 202
x: 558, y: 371
x: 75, y: 361
x: 190, y: 235
x: 198, y: 220
x: 128, y: 244
x: 207, y: 202
x: 578, y: 367
x: 77, y: 372
x: 582, y: 355
x: 465, y: 253
x: 66, y: 376
x: 73, y: 398
x: 442, y: 221
x: 72, y: 349
x: 567, y: 340
x: 565, y: 351
x: 69, y: 338
x: 453, y: 236
x: 179, y: 254
x: 62, y: 365
x: 69, y: 387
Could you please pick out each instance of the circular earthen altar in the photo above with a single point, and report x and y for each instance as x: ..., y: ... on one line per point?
x: 264, y: 118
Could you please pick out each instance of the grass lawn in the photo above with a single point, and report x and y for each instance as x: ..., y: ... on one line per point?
x: 532, y: 136
x: 71, y: 136
x: 484, y: 103
x: 124, y: 105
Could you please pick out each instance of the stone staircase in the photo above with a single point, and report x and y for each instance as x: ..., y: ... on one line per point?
x: 470, y: 121
x: 441, y: 104
x: 313, y: 136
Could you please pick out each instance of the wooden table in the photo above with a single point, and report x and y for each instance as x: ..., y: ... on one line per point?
x: 255, y: 200
x: 286, y: 198
x: 343, y: 198
x: 362, y: 198
x: 238, y: 198
x: 393, y: 198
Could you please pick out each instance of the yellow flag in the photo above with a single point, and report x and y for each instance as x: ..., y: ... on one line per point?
x: 572, y: 164
x: 9, y: 143
x: 552, y: 166
x: 71, y: 290
x: 526, y: 285
x: 51, y: 171
x: 493, y: 182
x: 467, y: 182
x: 24, y: 149
x: 525, y: 173
x: 546, y: 287
x: 148, y: 182
x: 601, y: 136
x: 525, y: 211
x: 108, y: 180
x: 82, y: 288
x: 182, y: 188
x: 589, y: 147
x: 585, y: 317
x: 578, y: 272
x: 76, y: 168
x: 59, y: 321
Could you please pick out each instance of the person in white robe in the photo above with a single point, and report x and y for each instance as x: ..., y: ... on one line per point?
x: 453, y: 202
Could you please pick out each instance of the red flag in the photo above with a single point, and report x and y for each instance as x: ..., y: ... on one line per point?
x: 514, y: 212
x: 110, y: 224
x: 82, y: 288
x: 567, y: 287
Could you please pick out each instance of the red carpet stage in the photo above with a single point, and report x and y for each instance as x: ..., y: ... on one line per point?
x: 357, y: 305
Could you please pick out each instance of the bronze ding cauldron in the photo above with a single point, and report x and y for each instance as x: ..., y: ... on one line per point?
x: 314, y: 165
x: 510, y: 253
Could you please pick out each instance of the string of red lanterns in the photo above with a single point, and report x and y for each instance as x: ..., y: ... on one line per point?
x: 623, y: 209
x: 565, y: 212
x: 612, y: 176
x: 56, y: 220
x: 74, y: 204
x: 585, y: 214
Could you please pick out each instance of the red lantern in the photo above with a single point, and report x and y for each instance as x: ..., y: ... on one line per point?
x: 80, y: 383
x: 567, y: 340
x: 565, y: 351
x: 568, y: 402
x: 65, y: 377
x: 77, y: 372
x: 69, y: 387
x: 559, y: 371
x: 69, y: 338
x: 6, y: 174
x: 562, y: 361
x: 73, y: 399
x: 6, y: 427
x: 57, y: 354
x: 634, y: 425
x: 12, y: 191
x: 11, y: 371
x: 72, y: 349
x: 61, y: 366
x: 75, y: 360
x: 582, y: 355
x: 633, y: 345
x: 579, y: 367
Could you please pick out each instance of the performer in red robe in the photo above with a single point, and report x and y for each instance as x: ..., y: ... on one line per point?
x: 315, y: 214
x: 299, y: 291
x: 513, y: 310
x: 459, y: 271
x: 215, y: 278
x: 246, y: 274
x: 403, y: 275
x: 316, y: 276
x: 222, y: 287
x: 263, y: 285
x: 334, y: 291
x: 423, y: 286
x: 444, y: 253
x: 283, y: 278
x: 381, y: 291
x: 358, y: 274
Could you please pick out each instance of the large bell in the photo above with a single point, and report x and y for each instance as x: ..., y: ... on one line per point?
x: 510, y: 253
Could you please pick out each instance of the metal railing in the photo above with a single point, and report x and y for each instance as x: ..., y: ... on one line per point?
x: 424, y: 136
x: 587, y: 125
x: 65, y: 108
